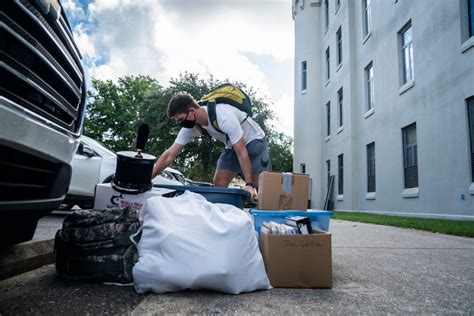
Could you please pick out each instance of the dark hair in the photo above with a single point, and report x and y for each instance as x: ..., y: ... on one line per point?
x: 180, y: 103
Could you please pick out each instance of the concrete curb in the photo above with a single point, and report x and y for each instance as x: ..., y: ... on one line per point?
x: 416, y: 215
x: 25, y: 257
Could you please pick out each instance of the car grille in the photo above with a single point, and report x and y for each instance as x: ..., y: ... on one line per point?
x: 40, y: 65
x: 27, y: 177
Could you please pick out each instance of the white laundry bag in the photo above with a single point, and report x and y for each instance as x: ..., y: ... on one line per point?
x: 190, y: 243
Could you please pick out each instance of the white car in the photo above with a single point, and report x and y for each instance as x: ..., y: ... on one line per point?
x: 175, y: 176
x: 94, y: 163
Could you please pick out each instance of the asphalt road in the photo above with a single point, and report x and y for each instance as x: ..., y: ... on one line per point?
x: 376, y: 269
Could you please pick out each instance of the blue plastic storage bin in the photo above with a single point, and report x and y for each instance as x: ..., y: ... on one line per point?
x: 236, y: 197
x: 319, y: 219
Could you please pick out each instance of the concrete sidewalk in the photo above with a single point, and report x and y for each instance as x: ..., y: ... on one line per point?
x: 376, y: 269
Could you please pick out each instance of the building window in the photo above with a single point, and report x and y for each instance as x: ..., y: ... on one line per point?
x: 367, y: 5
x: 326, y: 13
x: 338, y: 4
x: 407, y: 53
x: 369, y: 79
x: 328, y: 69
x: 328, y: 118
x: 303, y: 168
x: 410, y: 156
x: 340, y: 174
x: 339, y: 45
x: 339, y: 102
x: 470, y: 113
x: 303, y: 76
x: 467, y: 22
x: 470, y: 10
x: 371, y: 167
x: 328, y: 167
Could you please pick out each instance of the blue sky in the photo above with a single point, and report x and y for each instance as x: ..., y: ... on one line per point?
x: 245, y: 40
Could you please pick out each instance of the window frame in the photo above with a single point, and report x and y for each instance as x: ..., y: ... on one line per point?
x: 410, y: 154
x: 302, y: 167
x: 369, y: 85
x: 367, y: 17
x: 339, y: 45
x: 340, y: 100
x: 466, y: 9
x: 470, y: 17
x: 406, y: 54
x: 470, y: 122
x: 304, y: 75
x: 326, y: 14
x: 328, y: 169
x: 328, y: 64
x: 371, y: 168
x: 328, y: 118
x: 340, y: 174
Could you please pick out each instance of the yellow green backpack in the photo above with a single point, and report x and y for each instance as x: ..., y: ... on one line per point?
x: 229, y: 94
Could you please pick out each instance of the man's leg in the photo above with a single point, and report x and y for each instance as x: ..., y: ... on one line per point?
x: 222, y: 177
x: 260, y: 158
x: 228, y: 164
x: 227, y: 168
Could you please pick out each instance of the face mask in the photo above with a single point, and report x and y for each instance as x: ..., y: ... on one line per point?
x: 188, y: 123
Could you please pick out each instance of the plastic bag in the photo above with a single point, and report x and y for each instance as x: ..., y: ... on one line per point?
x: 190, y: 243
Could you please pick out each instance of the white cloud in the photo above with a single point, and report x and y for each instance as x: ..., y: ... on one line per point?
x: 84, y: 41
x: 101, y: 5
x: 73, y: 9
x: 165, y: 38
x: 284, y: 109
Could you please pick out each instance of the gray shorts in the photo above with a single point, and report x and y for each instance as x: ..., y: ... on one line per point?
x: 258, y: 154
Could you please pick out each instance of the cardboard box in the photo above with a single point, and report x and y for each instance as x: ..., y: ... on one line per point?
x: 298, y: 261
x: 107, y: 197
x: 283, y: 191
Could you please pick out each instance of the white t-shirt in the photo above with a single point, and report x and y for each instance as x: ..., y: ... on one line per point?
x: 229, y: 120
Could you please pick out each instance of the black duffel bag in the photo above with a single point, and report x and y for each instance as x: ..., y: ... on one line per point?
x: 95, y: 245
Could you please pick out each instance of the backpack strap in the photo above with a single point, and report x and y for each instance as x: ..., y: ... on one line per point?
x: 211, y: 112
x: 202, y: 131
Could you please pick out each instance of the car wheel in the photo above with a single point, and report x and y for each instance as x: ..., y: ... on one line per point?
x: 108, y: 179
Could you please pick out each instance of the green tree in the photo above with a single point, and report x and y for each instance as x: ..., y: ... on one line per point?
x: 114, y: 110
x: 280, y: 151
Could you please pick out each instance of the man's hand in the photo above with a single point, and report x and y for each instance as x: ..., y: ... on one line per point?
x: 166, y: 159
x: 253, y: 193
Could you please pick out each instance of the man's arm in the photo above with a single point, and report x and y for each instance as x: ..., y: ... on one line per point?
x: 245, y: 165
x: 166, y: 159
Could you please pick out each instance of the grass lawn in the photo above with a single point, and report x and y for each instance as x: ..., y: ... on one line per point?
x: 444, y: 226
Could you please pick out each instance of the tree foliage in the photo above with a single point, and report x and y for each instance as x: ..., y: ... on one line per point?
x: 116, y: 109
x: 280, y: 146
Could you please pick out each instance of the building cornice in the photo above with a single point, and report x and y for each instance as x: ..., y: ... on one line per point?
x: 299, y: 4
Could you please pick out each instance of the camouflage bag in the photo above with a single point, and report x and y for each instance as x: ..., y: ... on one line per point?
x: 95, y: 245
